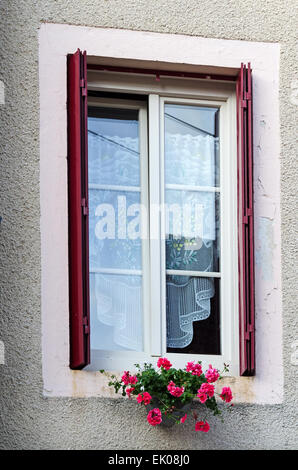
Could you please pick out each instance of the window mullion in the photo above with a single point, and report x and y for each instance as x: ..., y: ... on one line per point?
x: 163, y: 228
x: 155, y: 220
x: 143, y: 119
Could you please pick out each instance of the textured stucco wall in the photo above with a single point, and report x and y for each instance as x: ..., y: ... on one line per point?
x: 28, y: 420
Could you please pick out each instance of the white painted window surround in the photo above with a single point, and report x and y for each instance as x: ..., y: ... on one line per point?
x: 56, y: 41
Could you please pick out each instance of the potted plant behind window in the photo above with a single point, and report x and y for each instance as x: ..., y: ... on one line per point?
x: 168, y: 393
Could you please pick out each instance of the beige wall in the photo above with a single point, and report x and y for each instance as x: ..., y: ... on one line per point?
x: 28, y: 420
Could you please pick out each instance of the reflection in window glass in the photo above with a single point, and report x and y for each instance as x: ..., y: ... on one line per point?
x: 192, y: 230
x: 191, y: 145
x: 192, y: 196
x: 113, y: 146
x: 114, y: 242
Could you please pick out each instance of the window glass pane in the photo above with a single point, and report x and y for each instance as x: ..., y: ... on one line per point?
x: 193, y: 323
x: 192, y: 197
x: 114, y: 229
x: 114, y: 240
x: 191, y: 145
x: 116, y: 306
x: 192, y: 230
x: 113, y: 146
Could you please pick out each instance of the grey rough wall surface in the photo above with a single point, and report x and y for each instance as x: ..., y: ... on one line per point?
x: 28, y: 420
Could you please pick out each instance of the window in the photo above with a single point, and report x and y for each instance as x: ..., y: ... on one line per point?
x: 156, y: 236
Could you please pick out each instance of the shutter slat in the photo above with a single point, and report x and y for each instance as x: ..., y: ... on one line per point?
x: 245, y: 222
x: 78, y: 210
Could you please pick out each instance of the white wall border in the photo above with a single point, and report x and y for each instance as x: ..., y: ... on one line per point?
x: 55, y: 42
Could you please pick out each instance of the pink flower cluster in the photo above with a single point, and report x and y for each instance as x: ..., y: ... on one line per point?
x: 128, y: 379
x: 174, y: 390
x: 144, y: 398
x: 129, y: 391
x: 195, y: 369
x: 206, y: 390
x: 154, y: 417
x: 164, y: 362
x: 202, y: 396
x: 226, y: 394
x: 211, y: 374
x: 202, y: 426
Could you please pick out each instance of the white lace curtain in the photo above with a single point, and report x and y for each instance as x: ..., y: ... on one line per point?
x: 189, y: 160
x: 187, y: 302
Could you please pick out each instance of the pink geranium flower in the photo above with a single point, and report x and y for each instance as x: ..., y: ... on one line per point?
x: 183, y: 419
x: 212, y: 374
x: 195, y: 369
x: 139, y: 398
x: 128, y: 379
x: 147, y: 398
x: 226, y: 394
x: 125, y: 377
x: 144, y: 397
x: 154, y: 417
x: 129, y: 391
x: 202, y: 426
x: 133, y: 379
x: 207, y: 388
x: 174, y: 390
x: 190, y: 366
x: 164, y: 362
x: 202, y: 396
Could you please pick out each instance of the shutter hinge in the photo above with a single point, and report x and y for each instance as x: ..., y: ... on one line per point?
x: 246, y: 98
x: 250, y: 330
x: 86, y: 326
x: 83, y: 87
x: 84, y: 206
x: 247, y: 215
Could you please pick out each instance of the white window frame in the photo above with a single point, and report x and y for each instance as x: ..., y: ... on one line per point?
x: 103, y: 359
x: 182, y: 91
x: 229, y: 315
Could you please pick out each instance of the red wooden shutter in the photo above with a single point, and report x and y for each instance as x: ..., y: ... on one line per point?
x: 78, y: 210
x: 245, y: 222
